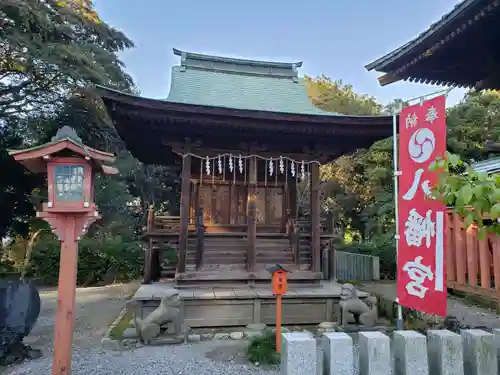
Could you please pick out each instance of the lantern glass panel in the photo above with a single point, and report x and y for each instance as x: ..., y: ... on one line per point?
x: 69, y: 182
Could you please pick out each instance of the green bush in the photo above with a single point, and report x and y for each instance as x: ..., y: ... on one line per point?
x: 262, y: 349
x: 6, y: 268
x: 99, y: 260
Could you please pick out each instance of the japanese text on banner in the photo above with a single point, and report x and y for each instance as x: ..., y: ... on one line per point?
x: 421, y: 256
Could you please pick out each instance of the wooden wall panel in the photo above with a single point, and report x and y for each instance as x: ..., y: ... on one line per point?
x: 274, y: 205
x: 241, y: 209
x: 206, y: 202
x: 227, y: 204
x: 222, y: 205
x: 260, y: 205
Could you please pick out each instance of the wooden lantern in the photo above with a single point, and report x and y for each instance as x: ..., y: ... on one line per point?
x: 279, y: 282
x: 70, y: 209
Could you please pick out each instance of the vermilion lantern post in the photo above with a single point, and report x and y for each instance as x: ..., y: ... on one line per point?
x: 70, y: 209
x: 280, y: 286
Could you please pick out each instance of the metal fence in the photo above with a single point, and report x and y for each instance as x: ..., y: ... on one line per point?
x: 356, y: 267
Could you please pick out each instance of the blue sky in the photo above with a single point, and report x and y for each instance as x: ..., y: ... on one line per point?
x: 332, y: 37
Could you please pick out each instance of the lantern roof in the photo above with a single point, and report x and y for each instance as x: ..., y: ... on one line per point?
x: 276, y: 268
x: 65, y: 142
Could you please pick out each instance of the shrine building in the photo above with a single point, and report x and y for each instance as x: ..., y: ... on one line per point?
x: 250, y: 143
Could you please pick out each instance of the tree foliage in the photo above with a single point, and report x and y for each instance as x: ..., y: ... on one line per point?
x: 51, y: 54
x: 48, y: 50
x: 472, y: 124
x: 335, y: 96
x: 473, y: 195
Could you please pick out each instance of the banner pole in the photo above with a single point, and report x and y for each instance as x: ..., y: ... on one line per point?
x: 397, y: 173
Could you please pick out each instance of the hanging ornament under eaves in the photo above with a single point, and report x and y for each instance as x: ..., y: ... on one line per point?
x: 231, y: 165
x: 302, y: 171
x: 292, y: 168
x: 282, y: 165
x: 207, y: 165
x: 271, y: 167
x: 240, y: 164
x: 219, y: 164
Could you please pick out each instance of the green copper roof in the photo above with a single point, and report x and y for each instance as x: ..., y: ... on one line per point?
x: 240, y: 84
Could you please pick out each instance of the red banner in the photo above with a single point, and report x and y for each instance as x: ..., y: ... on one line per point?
x: 421, y: 253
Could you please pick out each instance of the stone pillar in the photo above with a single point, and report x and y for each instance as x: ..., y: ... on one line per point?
x: 496, y: 332
x: 298, y: 354
x: 374, y: 354
x: 410, y: 352
x: 445, y: 353
x: 480, y: 352
x: 338, y: 354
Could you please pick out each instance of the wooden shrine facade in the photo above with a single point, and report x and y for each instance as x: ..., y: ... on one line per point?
x: 243, y: 217
x: 248, y: 158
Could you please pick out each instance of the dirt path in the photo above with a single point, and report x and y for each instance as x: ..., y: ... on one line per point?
x: 96, y: 308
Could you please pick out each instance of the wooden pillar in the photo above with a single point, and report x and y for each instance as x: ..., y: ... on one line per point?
x: 315, y: 219
x: 65, y: 315
x: 292, y: 198
x: 185, y: 192
x: 251, y: 213
x: 148, y: 258
x: 200, y: 238
x: 460, y: 250
x: 485, y: 262
x: 451, y: 260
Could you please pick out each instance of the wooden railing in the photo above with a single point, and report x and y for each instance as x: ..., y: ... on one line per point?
x: 356, y: 267
x: 473, y: 263
x: 299, y: 235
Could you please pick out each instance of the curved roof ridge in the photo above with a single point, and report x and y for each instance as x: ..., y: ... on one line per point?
x: 237, y: 61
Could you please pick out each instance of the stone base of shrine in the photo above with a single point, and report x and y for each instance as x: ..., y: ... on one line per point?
x: 242, y: 278
x: 239, y: 306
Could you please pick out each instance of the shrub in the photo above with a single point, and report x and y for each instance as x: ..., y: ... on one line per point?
x: 262, y: 349
x: 6, y: 268
x: 99, y: 260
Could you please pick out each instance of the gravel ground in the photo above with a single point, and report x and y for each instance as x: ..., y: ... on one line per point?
x: 96, y: 308
x: 467, y: 314
x: 206, y: 358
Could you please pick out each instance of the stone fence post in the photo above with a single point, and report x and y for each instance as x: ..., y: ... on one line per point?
x: 298, y: 354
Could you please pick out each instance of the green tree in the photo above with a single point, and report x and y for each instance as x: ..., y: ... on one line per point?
x: 49, y: 53
x: 47, y: 50
x: 472, y: 125
x: 335, y: 96
x: 473, y: 195
x: 358, y: 183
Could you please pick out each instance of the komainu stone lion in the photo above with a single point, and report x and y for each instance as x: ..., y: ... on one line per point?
x: 351, y: 304
x: 168, y: 311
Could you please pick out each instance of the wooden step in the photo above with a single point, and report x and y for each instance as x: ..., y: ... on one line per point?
x: 219, y: 254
